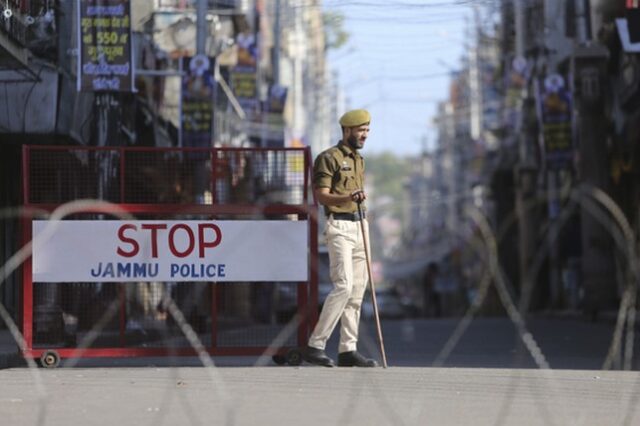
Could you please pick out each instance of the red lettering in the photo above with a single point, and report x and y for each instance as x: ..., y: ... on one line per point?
x: 172, y: 246
x: 209, y: 236
x: 205, y: 244
x: 154, y: 236
x: 134, y: 244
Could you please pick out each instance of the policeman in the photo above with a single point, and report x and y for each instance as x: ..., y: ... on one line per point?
x: 338, y: 177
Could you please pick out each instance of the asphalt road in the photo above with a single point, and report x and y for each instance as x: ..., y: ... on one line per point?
x: 318, y: 396
x: 488, y: 379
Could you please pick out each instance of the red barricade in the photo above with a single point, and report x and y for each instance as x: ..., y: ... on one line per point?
x: 139, y: 318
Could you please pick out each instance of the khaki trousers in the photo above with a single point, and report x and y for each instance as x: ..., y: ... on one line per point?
x: 349, y: 276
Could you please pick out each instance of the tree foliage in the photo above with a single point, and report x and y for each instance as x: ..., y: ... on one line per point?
x: 389, y: 174
x: 334, y: 33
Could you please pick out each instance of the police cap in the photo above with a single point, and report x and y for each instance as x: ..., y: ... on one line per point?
x: 355, y: 118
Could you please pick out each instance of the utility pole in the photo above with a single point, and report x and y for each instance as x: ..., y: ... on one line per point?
x: 276, y: 45
x: 588, y: 68
x: 201, y: 172
x: 553, y: 37
x: 275, y: 72
x: 525, y: 172
x: 201, y: 26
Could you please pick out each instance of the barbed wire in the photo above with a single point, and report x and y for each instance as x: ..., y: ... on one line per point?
x: 485, y: 249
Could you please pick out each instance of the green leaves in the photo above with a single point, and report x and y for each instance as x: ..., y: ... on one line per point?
x: 334, y: 33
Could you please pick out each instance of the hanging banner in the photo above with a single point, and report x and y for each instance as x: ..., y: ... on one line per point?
x: 243, y: 76
x: 555, y: 111
x: 276, y: 100
x: 105, y: 61
x: 197, y: 102
x: 516, y: 83
x: 245, y: 86
x: 139, y: 251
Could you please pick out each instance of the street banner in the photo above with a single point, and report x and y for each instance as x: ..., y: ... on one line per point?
x: 148, y: 250
x: 245, y: 87
x: 276, y: 100
x: 516, y: 84
x: 197, y: 102
x: 244, y: 77
x: 105, y: 61
x: 555, y: 112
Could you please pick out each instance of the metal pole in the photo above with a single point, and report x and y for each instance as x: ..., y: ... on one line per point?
x: 526, y: 173
x: 180, y: 71
x: 553, y: 212
x: 201, y: 26
x: 276, y: 45
x: 582, y: 29
x: 518, y: 8
x: 373, y: 289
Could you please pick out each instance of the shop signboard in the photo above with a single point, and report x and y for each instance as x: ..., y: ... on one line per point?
x: 244, y: 80
x: 555, y: 112
x: 105, y: 61
x: 197, y: 101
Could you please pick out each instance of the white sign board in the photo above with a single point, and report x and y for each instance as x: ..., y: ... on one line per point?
x: 133, y: 251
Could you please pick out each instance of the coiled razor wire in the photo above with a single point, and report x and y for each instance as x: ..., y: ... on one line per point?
x: 588, y: 197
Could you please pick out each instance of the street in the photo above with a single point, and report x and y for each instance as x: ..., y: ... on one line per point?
x: 486, y: 380
x: 187, y: 177
x: 290, y: 396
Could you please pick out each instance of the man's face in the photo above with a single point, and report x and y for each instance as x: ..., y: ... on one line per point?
x: 357, y: 135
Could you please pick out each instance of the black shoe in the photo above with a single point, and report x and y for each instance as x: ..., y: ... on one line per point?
x: 355, y: 359
x: 317, y: 357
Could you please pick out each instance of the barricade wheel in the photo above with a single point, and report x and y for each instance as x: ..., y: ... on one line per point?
x: 279, y: 359
x: 294, y: 357
x: 49, y: 359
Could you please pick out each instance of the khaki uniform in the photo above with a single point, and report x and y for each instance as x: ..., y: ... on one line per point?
x: 342, y: 170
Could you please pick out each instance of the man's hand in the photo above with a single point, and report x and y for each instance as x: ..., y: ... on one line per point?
x: 358, y: 196
x: 326, y: 198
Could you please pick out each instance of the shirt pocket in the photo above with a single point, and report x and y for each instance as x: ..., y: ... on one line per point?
x: 349, y: 182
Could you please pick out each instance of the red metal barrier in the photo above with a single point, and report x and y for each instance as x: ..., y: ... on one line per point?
x: 117, y: 319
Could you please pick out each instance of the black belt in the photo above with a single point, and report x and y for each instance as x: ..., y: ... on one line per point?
x: 353, y: 217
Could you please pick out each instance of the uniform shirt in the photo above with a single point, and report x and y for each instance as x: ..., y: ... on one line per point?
x: 341, y: 169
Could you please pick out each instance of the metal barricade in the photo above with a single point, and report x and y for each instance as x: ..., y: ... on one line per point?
x: 148, y: 317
